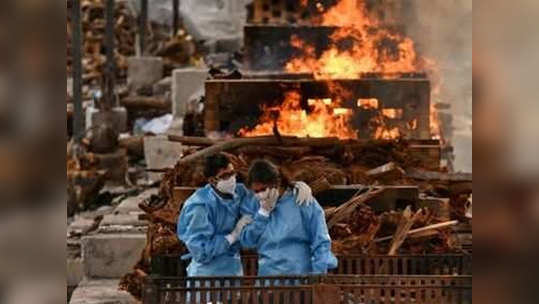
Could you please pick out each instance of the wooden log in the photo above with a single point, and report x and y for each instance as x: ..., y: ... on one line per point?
x: 241, y: 142
x: 279, y: 152
x: 420, y: 230
x: 386, y: 173
x: 347, y: 208
x: 320, y: 185
x: 192, y: 141
x: 438, y: 176
x: 134, y: 146
x: 404, y: 227
x: 145, y: 103
x: 287, y: 141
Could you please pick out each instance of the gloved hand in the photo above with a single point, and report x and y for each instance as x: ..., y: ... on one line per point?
x: 235, y: 234
x: 304, y: 194
x: 268, y: 199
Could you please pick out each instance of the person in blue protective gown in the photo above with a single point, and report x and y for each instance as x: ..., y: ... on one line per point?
x: 290, y: 239
x: 211, y: 220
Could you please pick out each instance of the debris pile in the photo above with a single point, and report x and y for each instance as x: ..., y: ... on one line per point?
x: 177, y: 49
x: 93, y: 36
x: 84, y: 180
x: 358, y: 225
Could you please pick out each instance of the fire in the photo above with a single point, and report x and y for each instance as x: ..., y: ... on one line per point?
x: 392, y: 113
x: 368, y: 104
x: 359, y: 45
x: 436, y: 92
x: 387, y: 133
x: 326, y: 119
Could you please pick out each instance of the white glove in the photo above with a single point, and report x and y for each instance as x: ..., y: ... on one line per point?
x: 268, y: 200
x: 304, y: 194
x: 235, y: 234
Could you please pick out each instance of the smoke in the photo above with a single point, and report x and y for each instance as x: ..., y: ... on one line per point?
x: 442, y: 30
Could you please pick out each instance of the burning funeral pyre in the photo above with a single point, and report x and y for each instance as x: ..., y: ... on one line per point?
x: 342, y: 103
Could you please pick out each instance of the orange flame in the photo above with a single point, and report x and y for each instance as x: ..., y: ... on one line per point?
x: 326, y: 119
x: 368, y: 104
x: 371, y: 48
x: 436, y: 91
x: 359, y: 45
x: 392, y: 113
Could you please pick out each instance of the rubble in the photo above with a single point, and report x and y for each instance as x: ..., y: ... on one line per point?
x: 362, y: 225
x: 176, y: 50
x: 384, y: 197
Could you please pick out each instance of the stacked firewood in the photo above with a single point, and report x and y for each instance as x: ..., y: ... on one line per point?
x: 354, y: 226
x: 178, y: 49
x: 84, y: 180
x: 93, y: 36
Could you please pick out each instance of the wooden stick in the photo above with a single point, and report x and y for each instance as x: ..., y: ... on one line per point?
x: 276, y: 151
x: 320, y: 185
x: 402, y: 231
x: 241, y: 142
x: 419, y: 230
x: 347, y: 208
x: 140, y: 102
x: 192, y: 141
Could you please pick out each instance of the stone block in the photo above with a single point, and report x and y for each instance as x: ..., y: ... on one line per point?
x: 75, y: 271
x: 117, y: 118
x: 122, y: 220
x: 162, y: 86
x: 111, y: 256
x: 130, y: 204
x: 80, y: 224
x: 160, y: 153
x: 185, y: 84
x: 143, y: 72
x: 100, y: 292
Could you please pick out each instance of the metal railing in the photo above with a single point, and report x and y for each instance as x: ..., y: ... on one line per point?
x: 310, y: 290
x: 448, y: 264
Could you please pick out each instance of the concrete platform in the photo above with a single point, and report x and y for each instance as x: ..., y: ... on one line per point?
x: 100, y: 292
x: 75, y: 273
x: 110, y: 256
x: 131, y: 219
x: 130, y: 204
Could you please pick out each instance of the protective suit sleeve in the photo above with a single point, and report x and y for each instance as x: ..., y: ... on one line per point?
x: 251, y: 233
x: 198, y: 234
x: 321, y: 255
x: 249, y: 203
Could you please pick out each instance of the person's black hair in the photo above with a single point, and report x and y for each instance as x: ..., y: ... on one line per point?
x: 263, y: 171
x: 214, y: 164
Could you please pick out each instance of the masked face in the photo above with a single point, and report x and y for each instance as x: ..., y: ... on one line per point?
x: 263, y: 195
x: 270, y: 194
x: 227, y: 186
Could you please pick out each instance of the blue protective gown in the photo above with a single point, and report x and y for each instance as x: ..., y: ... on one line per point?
x: 293, y: 240
x: 206, y: 218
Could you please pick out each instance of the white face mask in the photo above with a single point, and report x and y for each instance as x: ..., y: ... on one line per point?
x: 227, y: 186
